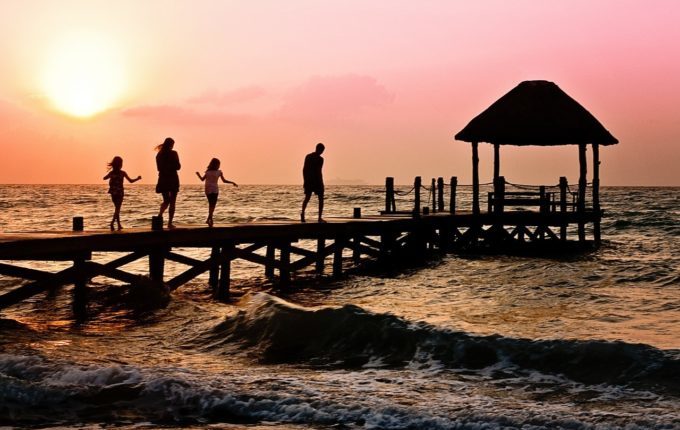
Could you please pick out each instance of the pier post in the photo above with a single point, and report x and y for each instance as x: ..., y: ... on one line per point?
x: 320, y: 257
x: 214, y: 267
x: 157, y: 223
x: 284, y: 271
x: 543, y: 208
x: 452, y: 202
x: 563, y: 207
x: 596, y: 194
x: 440, y: 194
x: 78, y: 223
x: 227, y: 254
x: 157, y: 264
x: 337, y: 255
x: 269, y: 268
x: 499, y: 195
x: 386, y: 246
x: 390, y: 205
x: 582, y: 183
x: 417, y: 183
x: 79, y: 304
x: 433, y: 195
x: 356, y: 251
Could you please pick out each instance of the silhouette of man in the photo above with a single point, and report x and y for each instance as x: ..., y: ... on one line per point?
x: 313, y: 179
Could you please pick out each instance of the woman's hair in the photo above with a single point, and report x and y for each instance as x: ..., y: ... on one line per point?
x: 214, y: 164
x: 166, y: 145
x: 116, y: 163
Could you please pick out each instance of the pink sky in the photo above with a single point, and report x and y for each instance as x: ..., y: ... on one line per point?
x: 384, y: 84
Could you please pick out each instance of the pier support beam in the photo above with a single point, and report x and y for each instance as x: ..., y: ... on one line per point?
x: 284, y: 271
x: 337, y: 255
x: 320, y: 254
x: 582, y: 183
x: 475, y: 179
x: 269, y: 268
x: 563, y: 207
x: 214, y: 267
x: 226, y: 254
x: 596, y: 194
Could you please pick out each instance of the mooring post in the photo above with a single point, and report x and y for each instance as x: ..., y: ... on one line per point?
x: 390, y: 205
x: 417, y: 184
x: 214, y: 267
x: 226, y: 255
x: 269, y: 267
x: 563, y: 207
x: 156, y: 223
x: 284, y: 271
x: 320, y: 254
x: 356, y: 213
x: 452, y: 203
x: 440, y: 194
x: 78, y: 223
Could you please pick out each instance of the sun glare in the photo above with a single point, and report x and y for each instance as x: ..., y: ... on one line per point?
x: 83, y: 75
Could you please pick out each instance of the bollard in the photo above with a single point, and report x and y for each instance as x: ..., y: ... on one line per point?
x: 78, y: 223
x: 156, y: 223
x: 357, y: 212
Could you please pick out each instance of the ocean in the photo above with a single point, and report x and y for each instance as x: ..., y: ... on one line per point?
x: 586, y: 341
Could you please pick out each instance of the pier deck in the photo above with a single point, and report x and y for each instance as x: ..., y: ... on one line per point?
x: 272, y: 244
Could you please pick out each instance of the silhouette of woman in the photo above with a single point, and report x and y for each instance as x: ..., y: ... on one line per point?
x: 167, y: 163
x: 115, y: 176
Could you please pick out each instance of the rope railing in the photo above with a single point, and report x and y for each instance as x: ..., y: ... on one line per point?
x: 404, y: 193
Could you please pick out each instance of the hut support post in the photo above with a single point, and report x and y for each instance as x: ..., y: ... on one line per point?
x: 596, y: 193
x: 452, y: 202
x: 475, y: 179
x: 563, y: 207
x: 582, y: 182
x: 499, y: 195
x: 417, y: 184
x: 440, y: 194
x: 390, y: 205
x: 496, y: 161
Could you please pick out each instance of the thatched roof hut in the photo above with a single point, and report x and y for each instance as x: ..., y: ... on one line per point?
x: 536, y: 113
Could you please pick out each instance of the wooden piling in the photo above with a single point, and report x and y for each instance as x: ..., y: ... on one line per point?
x: 337, y: 255
x: 284, y: 271
x: 440, y: 194
x: 226, y: 255
x: 390, y: 204
x: 433, y: 195
x: 320, y: 254
x: 78, y: 223
x: 157, y: 264
x: 452, y: 202
x: 214, y: 267
x: 499, y: 195
x: 269, y: 268
x: 417, y: 184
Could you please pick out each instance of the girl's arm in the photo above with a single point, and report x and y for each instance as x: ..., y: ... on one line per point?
x: 108, y: 175
x: 131, y: 180
x: 202, y: 178
x: 226, y: 181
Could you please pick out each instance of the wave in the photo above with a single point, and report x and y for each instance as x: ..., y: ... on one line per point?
x: 274, y: 331
x: 36, y: 391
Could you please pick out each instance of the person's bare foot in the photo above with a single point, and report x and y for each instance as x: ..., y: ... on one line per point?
x: 322, y: 220
x: 171, y: 226
x: 120, y: 227
x: 302, y: 217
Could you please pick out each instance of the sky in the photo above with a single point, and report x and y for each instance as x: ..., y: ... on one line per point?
x: 384, y: 84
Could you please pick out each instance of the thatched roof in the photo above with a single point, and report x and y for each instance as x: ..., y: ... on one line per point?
x: 536, y: 113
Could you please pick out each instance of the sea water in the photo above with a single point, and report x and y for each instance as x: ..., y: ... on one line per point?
x: 586, y: 341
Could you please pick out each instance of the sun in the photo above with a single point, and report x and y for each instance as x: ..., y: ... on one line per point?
x: 83, y: 75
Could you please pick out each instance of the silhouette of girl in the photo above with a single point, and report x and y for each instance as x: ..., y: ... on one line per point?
x: 115, y: 177
x: 167, y: 163
x: 212, y: 174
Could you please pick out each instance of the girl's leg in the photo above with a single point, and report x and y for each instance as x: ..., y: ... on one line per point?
x: 118, y: 203
x: 164, y: 205
x: 115, y: 211
x: 171, y: 209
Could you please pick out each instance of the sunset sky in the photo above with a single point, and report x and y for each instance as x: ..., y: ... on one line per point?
x: 384, y: 84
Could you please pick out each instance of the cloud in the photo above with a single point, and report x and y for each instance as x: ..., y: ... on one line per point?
x: 180, y: 115
x: 224, y: 98
x: 334, y: 97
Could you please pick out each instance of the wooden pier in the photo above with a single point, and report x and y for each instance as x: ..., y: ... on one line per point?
x: 284, y: 248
